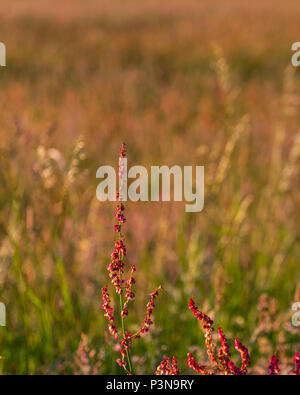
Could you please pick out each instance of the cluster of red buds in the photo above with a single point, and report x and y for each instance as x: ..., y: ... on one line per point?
x: 125, y: 349
x: 116, y: 271
x: 224, y: 343
x: 225, y: 362
x: 123, y: 288
x: 109, y: 313
x: 129, y: 295
x: 297, y: 364
x: 123, y: 151
x: 207, y: 326
x: 197, y: 367
x: 119, y: 211
x: 168, y: 367
x: 220, y: 359
x: 150, y: 307
x: 243, y: 350
x: 273, y: 368
x: 116, y: 265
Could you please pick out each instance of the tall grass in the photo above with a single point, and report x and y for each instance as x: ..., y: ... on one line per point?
x: 180, y: 88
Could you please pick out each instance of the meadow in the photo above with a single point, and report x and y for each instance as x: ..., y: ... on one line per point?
x: 181, y: 82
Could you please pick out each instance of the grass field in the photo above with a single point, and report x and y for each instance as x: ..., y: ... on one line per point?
x: 181, y: 82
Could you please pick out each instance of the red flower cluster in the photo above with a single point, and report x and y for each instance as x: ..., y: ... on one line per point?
x: 220, y: 359
x: 116, y: 270
x: 116, y: 265
x: 125, y: 348
x: 123, y: 151
x: 243, y: 350
x: 168, y: 367
x: 123, y: 288
x: 150, y: 307
x: 273, y: 368
x: 109, y: 313
x: 119, y: 211
x: 129, y: 295
x: 197, y: 367
x: 224, y: 355
x: 207, y: 325
x: 199, y: 315
x: 297, y: 364
x: 224, y: 344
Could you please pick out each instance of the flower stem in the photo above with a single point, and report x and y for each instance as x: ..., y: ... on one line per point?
x: 124, y: 329
x: 123, y: 318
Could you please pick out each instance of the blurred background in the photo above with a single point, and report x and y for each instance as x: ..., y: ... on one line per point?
x: 181, y: 82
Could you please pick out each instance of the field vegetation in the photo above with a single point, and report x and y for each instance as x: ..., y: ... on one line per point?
x: 181, y: 82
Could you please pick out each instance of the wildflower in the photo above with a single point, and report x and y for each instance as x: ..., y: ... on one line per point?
x: 129, y: 295
x: 109, y: 313
x: 125, y: 350
x: 116, y: 265
x: 123, y: 151
x: 223, y: 354
x: 221, y: 359
x: 207, y: 325
x: 195, y: 366
x: 297, y: 364
x: 234, y: 369
x: 200, y: 316
x: 223, y: 341
x: 168, y: 367
x: 244, y: 355
x: 150, y: 307
x: 273, y: 368
x: 124, y: 288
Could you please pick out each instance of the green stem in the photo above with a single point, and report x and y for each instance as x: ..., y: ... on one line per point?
x: 124, y: 330
x: 123, y: 319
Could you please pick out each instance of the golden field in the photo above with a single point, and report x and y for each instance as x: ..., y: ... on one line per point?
x: 181, y: 82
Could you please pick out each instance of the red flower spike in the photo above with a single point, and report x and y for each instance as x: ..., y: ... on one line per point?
x: 168, y: 367
x: 273, y: 368
x: 297, y: 364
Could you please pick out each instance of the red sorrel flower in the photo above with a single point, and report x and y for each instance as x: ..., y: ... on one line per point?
x: 124, y: 289
x: 244, y: 355
x: 197, y: 367
x: 207, y: 325
x: 224, y: 354
x: 150, y: 307
x: 168, y: 367
x: 109, y: 313
x: 220, y: 359
x: 273, y: 368
x: 297, y: 364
